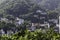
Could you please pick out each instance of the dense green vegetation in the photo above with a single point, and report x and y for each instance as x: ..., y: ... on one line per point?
x: 35, y: 35
x: 26, y: 34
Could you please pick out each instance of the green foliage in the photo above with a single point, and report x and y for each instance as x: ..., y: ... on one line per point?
x: 36, y: 35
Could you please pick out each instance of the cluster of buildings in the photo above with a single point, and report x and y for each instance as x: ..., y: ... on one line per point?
x: 39, y: 20
x: 6, y: 30
x: 42, y: 20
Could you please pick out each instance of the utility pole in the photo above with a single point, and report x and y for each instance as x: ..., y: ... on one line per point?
x: 59, y: 24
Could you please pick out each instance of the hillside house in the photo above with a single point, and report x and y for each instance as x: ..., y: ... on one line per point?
x: 39, y: 20
x: 19, y: 21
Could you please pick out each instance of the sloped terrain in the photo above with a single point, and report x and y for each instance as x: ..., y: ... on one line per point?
x: 26, y: 7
